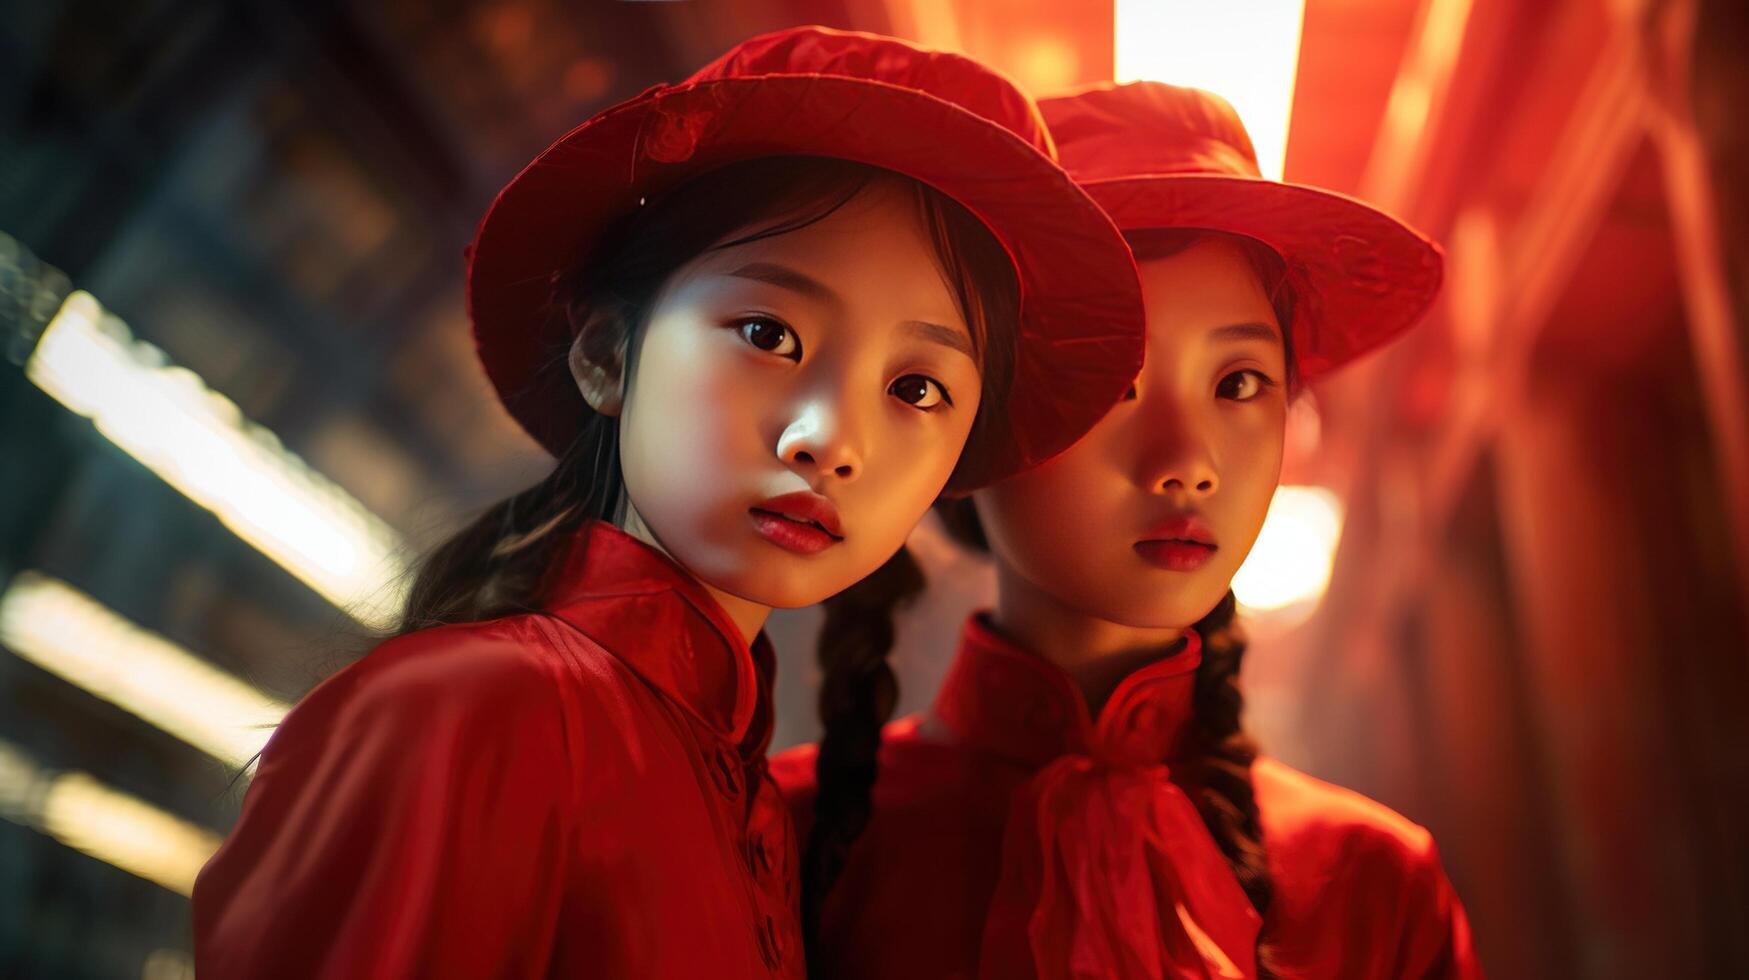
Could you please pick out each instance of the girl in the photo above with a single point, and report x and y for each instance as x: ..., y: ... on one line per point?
x: 1082, y: 801
x: 756, y: 316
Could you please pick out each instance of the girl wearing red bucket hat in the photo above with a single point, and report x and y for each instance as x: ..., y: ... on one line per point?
x: 756, y: 316
x: 1082, y: 801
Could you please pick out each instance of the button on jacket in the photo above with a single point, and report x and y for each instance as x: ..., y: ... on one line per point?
x: 579, y: 791
x: 1014, y: 836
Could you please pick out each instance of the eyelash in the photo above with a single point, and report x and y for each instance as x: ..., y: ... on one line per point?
x: 742, y: 324
x: 1264, y: 383
x: 946, y: 396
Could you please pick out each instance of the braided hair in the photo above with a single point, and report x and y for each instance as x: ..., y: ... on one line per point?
x: 498, y: 564
x: 858, y: 690
x: 1223, y: 792
x: 1222, y: 751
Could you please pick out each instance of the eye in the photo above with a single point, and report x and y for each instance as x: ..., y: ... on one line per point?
x: 770, y: 336
x: 919, y: 392
x: 1242, y: 386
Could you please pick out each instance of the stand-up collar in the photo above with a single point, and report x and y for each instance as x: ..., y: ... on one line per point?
x: 1107, y: 868
x: 652, y: 615
x: 1001, y: 699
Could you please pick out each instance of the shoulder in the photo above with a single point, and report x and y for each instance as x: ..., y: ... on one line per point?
x: 1318, y: 833
x: 1358, y: 881
x: 496, y: 682
x: 1297, y: 805
x: 470, y: 667
x: 463, y: 716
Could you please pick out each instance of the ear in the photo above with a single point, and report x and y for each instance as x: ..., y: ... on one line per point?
x: 598, y: 378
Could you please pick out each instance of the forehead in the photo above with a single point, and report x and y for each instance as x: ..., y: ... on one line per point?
x: 1208, y: 285
x: 874, y: 250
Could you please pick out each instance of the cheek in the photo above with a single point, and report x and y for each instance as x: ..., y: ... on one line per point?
x: 1250, y: 474
x: 690, y: 422
x: 910, y: 462
x: 1050, y: 524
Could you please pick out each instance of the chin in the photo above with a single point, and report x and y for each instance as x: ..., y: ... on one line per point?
x: 1154, y: 605
x: 1151, y: 614
x: 781, y: 582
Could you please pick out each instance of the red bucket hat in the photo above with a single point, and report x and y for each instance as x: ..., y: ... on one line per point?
x: 939, y: 118
x: 1163, y: 156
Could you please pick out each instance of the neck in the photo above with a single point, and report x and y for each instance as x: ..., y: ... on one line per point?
x: 748, y: 616
x: 1097, y: 654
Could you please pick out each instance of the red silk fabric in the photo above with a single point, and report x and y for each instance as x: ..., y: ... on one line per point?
x: 1109, y: 872
x: 1016, y: 837
x: 580, y: 791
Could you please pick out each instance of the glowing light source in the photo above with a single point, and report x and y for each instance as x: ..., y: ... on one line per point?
x: 1421, y: 82
x: 1246, y: 51
x: 109, y: 825
x: 1045, y: 63
x: 72, y: 636
x: 1290, y: 564
x: 199, y: 442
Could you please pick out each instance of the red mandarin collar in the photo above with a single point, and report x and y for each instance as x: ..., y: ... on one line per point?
x: 1107, y: 869
x: 657, y: 619
x: 1008, y: 702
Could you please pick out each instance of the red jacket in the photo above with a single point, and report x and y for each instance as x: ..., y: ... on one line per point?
x: 1014, y: 836
x: 579, y: 791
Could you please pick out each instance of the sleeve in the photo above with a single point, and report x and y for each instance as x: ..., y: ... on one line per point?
x: 1436, y: 931
x: 408, y: 819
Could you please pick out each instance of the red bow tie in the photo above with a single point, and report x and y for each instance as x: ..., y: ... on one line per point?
x: 1109, y: 872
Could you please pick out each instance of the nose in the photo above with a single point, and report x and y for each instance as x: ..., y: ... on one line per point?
x: 1177, y: 460
x: 822, y: 441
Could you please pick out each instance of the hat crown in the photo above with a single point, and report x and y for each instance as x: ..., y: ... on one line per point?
x: 1114, y: 132
x: 950, y: 77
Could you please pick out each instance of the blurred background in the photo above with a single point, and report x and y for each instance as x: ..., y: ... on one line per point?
x: 1506, y: 591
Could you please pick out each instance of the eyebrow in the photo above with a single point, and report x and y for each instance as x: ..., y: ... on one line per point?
x: 935, y: 333
x: 784, y: 277
x: 1245, y: 331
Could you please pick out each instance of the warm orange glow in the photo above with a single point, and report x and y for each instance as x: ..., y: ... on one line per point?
x: 1046, y: 63
x: 1426, y: 70
x: 1290, y: 563
x: 1246, y: 51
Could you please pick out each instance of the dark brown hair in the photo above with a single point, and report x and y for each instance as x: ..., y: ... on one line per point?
x: 1223, y: 752
x: 497, y: 564
x: 857, y: 689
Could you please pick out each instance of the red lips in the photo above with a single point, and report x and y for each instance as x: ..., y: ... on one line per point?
x: 802, y: 522
x: 1181, y: 544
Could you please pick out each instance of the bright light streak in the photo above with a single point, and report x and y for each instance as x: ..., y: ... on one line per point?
x: 199, y: 442
x: 1425, y: 72
x: 72, y: 636
x: 1291, y: 561
x: 109, y: 825
x: 1246, y: 51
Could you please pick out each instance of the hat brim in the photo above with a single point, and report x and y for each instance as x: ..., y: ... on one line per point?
x: 1363, y: 276
x: 1079, y: 342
